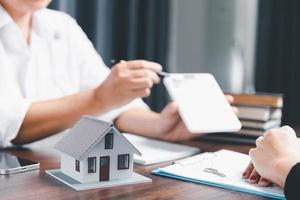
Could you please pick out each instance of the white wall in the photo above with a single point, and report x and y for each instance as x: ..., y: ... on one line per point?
x: 120, y: 147
x: 216, y: 36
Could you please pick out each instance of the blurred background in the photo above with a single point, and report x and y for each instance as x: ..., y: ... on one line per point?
x: 248, y: 45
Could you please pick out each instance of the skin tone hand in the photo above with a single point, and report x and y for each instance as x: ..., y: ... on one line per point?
x: 276, y: 153
x: 166, y: 125
x: 128, y: 80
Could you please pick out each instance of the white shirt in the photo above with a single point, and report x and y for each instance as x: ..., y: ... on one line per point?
x: 59, y: 61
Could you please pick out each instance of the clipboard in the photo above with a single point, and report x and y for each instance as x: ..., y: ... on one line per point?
x: 229, y: 166
x: 201, y: 103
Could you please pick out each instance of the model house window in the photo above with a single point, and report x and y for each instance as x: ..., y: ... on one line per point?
x: 77, y: 165
x: 109, y: 141
x: 92, y: 165
x: 123, y: 161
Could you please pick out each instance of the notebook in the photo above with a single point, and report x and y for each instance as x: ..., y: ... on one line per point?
x: 222, y: 169
x: 261, y: 125
x: 155, y: 151
x: 259, y: 113
x: 259, y: 99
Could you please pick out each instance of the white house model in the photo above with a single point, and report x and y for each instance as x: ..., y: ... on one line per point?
x: 94, y: 151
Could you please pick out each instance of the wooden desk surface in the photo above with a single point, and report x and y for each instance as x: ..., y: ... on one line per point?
x: 36, y: 185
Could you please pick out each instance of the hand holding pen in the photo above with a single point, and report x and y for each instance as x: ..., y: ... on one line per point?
x: 128, y: 80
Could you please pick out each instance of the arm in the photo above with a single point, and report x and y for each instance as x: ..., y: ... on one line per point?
x: 166, y: 125
x: 127, y: 81
x: 45, y: 118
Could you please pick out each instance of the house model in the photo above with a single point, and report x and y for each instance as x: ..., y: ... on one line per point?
x: 95, y: 151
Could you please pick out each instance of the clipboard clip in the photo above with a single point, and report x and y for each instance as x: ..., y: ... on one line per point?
x: 214, y: 171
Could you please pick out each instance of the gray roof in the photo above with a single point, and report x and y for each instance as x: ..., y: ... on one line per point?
x: 85, y: 135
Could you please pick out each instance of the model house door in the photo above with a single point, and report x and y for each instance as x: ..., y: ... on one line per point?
x: 104, y: 168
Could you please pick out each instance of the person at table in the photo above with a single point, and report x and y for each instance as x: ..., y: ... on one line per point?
x: 276, y: 159
x: 50, y: 75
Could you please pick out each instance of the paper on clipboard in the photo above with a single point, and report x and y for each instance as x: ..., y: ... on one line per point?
x: 201, y: 103
x: 222, y: 169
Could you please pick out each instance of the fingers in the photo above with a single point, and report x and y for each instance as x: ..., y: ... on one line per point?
x: 258, y: 140
x: 283, y: 130
x: 288, y: 130
x: 141, y: 93
x: 254, y: 176
x: 142, y: 64
x: 141, y: 83
x: 142, y: 73
x: 229, y: 98
x: 264, y: 182
x: 131, y: 70
x: 235, y: 110
x: 180, y: 133
x: 170, y: 109
x: 248, y: 171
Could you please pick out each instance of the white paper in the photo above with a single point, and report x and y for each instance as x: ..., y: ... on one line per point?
x: 229, y: 163
x: 201, y: 103
x: 155, y: 151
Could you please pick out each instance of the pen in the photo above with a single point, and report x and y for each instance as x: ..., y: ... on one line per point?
x: 161, y: 73
x: 164, y: 74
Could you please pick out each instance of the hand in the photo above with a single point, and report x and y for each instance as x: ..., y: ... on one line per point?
x: 169, y: 125
x: 128, y: 80
x: 253, y: 177
x: 276, y: 153
x: 230, y: 99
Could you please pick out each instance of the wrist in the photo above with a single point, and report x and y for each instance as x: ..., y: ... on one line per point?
x: 160, y: 127
x: 99, y: 101
x: 283, y: 167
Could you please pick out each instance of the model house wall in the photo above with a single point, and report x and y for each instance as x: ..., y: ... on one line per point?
x: 120, y: 147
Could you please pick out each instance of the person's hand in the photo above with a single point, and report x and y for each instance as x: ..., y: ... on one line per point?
x: 253, y: 177
x: 276, y: 153
x: 128, y: 80
x: 230, y: 99
x: 170, y: 127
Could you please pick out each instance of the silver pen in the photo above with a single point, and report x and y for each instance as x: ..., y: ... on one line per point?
x: 161, y: 73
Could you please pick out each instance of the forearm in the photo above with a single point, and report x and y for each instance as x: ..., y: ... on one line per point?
x: 139, y: 121
x: 46, y: 118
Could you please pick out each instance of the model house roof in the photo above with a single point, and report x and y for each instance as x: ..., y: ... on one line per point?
x: 85, y: 135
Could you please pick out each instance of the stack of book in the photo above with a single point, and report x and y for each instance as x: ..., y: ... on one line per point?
x: 258, y: 113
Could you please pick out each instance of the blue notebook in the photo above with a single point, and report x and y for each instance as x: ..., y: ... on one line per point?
x: 220, y: 169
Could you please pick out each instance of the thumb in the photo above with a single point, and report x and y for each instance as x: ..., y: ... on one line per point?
x: 170, y: 109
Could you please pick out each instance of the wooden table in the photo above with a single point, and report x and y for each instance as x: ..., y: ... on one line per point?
x: 36, y: 185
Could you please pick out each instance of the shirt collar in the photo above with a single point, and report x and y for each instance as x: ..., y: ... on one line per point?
x: 4, y: 17
x: 42, y: 25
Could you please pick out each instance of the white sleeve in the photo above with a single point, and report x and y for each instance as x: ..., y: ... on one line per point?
x: 12, y: 114
x: 93, y: 70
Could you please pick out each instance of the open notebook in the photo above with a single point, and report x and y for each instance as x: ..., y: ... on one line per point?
x: 220, y: 169
x: 155, y: 151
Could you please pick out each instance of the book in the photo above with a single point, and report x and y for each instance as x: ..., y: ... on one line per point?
x: 251, y: 132
x: 259, y: 99
x: 222, y: 169
x: 261, y: 125
x: 232, y: 138
x: 156, y: 151
x: 258, y: 113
